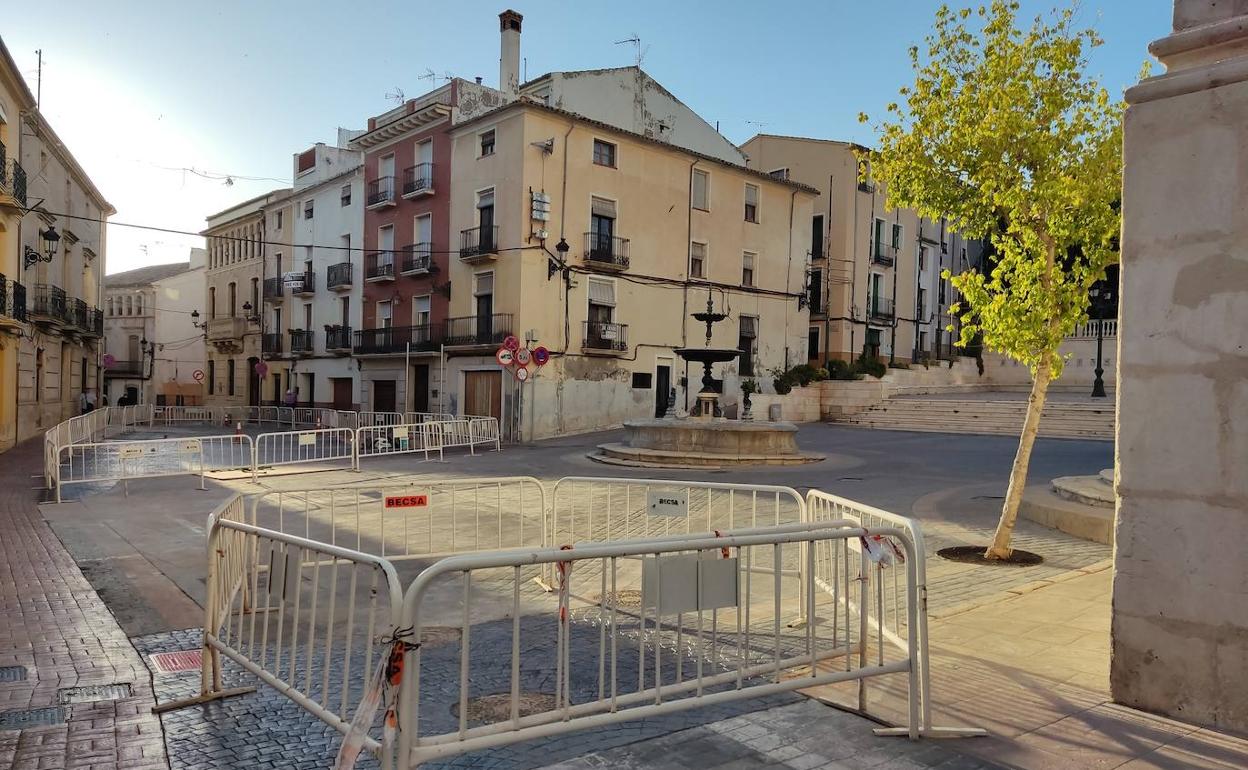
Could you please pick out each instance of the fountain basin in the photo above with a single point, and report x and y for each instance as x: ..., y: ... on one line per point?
x: 697, y: 443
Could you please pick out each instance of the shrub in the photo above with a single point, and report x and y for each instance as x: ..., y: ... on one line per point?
x: 871, y: 366
x: 804, y: 374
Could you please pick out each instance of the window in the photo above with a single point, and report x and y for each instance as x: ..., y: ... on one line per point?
x: 602, y: 228
x: 601, y: 301
x: 747, y: 268
x: 922, y: 304
x: 816, y: 236
x: 383, y: 314
x: 233, y: 299
x: 255, y: 294
x: 344, y: 305
x: 483, y: 294
x: 643, y: 380
x: 700, y: 199
x: 487, y: 143
x: 485, y: 220
x: 212, y: 302
x: 896, y: 236
x: 877, y: 291
x: 229, y: 377
x: 604, y: 153
x: 307, y: 315
x: 212, y: 377
x: 420, y: 310
x: 879, y: 237
x: 277, y: 220
x: 697, y: 260
x: 812, y: 344
x: 745, y: 343
x: 781, y: 173
x: 307, y: 209
x: 751, y: 203
x: 346, y: 195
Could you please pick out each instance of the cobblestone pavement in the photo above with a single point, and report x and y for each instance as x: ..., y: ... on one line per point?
x: 58, y: 631
x: 802, y: 736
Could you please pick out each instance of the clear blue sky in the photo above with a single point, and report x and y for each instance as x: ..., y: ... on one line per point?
x: 138, y: 87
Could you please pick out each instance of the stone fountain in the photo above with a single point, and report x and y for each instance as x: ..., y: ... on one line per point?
x: 705, y: 439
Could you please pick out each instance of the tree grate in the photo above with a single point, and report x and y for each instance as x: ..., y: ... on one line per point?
x: 93, y: 692
x: 41, y: 717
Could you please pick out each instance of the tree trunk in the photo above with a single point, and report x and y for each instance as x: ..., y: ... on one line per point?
x: 1000, y: 548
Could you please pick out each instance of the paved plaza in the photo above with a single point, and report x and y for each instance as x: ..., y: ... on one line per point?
x: 1020, y: 651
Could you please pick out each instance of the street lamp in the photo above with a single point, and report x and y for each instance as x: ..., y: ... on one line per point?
x: 50, y: 239
x: 1100, y: 298
x: 195, y: 320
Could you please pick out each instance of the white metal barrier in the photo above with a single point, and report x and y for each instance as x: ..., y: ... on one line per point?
x: 407, y: 438
x: 484, y: 430
x: 326, y: 446
x: 150, y: 458
x: 427, y: 416
x: 420, y: 519
x: 367, y: 419
x: 705, y: 631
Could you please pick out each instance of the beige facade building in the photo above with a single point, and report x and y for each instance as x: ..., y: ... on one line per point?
x: 598, y: 243
x: 874, y: 281
x: 233, y: 312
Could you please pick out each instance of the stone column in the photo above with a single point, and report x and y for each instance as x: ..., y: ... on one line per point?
x: 1180, y: 608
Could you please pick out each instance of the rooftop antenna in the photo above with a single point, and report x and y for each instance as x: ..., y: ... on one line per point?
x: 396, y: 95
x: 428, y: 74
x: 639, y: 52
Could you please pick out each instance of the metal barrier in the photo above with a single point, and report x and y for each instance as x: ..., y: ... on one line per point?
x: 87, y: 428
x: 417, y: 520
x: 151, y: 458
x: 287, y: 610
x: 484, y: 430
x: 397, y: 439
x: 427, y: 417
x: 369, y: 419
x: 704, y: 631
x: 324, y: 446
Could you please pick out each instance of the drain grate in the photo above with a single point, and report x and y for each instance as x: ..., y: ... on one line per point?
x: 20, y: 720
x: 175, y: 662
x: 94, y: 692
x: 12, y: 673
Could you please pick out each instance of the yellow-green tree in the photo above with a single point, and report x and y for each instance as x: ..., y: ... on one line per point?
x: 1004, y: 133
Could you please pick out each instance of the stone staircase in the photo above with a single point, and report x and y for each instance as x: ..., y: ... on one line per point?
x: 985, y: 416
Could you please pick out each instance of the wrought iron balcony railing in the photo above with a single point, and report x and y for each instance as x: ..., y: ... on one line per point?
x: 380, y: 192
x: 478, y: 329
x: 605, y: 336
x: 273, y: 288
x: 379, y: 265
x: 49, y: 303
x: 606, y: 250
x: 478, y: 242
x: 338, y: 338
x: 417, y: 257
x: 396, y: 339
x: 418, y: 180
x: 301, y: 341
x: 12, y: 299
x: 881, y: 308
x: 339, y: 276
x: 271, y: 344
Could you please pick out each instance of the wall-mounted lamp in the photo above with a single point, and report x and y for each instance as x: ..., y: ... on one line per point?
x: 51, y: 239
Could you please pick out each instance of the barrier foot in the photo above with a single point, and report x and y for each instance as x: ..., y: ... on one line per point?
x: 932, y: 732
x: 206, y: 697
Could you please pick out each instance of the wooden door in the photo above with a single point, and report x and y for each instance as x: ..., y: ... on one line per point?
x: 383, y: 395
x: 420, y: 387
x: 483, y: 394
x: 342, y: 394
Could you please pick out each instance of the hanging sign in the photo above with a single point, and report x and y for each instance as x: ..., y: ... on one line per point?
x: 511, y: 342
x: 522, y: 373
x: 541, y: 355
x: 505, y: 357
x: 262, y: 369
x: 668, y: 502
x: 307, y: 439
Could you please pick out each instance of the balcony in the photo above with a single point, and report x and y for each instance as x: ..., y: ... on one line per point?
x: 305, y: 284
x: 379, y: 266
x: 338, y: 339
x: 602, y: 337
x: 78, y: 315
x: 49, y: 305
x: 606, y: 251
x: 478, y: 244
x: 271, y: 344
x: 478, y: 330
x: 396, y: 339
x: 96, y: 323
x: 128, y: 369
x: 880, y: 309
x: 273, y: 289
x: 380, y: 193
x: 340, y: 276
x: 301, y: 341
x: 12, y: 181
x: 418, y: 181
x: 417, y: 258
x: 883, y: 254
x: 226, y: 329
x: 12, y: 304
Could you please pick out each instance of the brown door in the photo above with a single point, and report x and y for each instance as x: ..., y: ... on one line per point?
x: 383, y: 395
x: 420, y: 387
x: 342, y: 394
x: 483, y: 394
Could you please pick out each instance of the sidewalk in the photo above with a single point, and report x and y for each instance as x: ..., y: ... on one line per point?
x: 57, y: 632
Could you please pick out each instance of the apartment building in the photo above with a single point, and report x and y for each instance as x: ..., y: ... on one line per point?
x: 236, y: 240
x: 874, y: 282
x: 153, y: 338
x: 313, y: 279
x: 598, y: 243
x: 15, y: 99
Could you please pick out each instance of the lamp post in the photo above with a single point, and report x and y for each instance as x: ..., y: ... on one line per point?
x: 1098, y: 306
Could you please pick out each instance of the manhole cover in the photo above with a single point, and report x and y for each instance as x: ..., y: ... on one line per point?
x: 12, y: 673
x: 432, y: 636
x: 93, y: 692
x: 173, y: 662
x: 497, y: 708
x: 20, y: 720
x: 629, y: 599
x: 974, y: 554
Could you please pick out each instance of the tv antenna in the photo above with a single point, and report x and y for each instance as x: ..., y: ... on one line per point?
x: 428, y: 74
x: 397, y: 95
x: 639, y: 52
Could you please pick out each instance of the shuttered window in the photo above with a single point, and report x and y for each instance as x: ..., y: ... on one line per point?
x: 601, y: 207
x: 747, y: 269
x: 701, y: 188
x: 602, y: 292
x: 485, y: 284
x: 485, y: 199
x: 749, y: 326
x: 751, y: 203
x: 697, y: 260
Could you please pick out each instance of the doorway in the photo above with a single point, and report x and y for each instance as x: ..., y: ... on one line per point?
x: 342, y: 394
x: 383, y: 395
x: 253, y: 382
x: 420, y: 387
x: 483, y: 394
x: 662, y: 389
x: 308, y: 397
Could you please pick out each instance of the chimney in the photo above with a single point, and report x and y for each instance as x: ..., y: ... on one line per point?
x: 509, y: 62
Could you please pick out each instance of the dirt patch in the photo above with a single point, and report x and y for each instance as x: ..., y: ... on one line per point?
x: 488, y: 709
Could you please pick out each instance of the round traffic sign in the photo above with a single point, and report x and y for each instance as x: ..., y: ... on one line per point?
x: 522, y: 373
x: 505, y: 357
x: 522, y: 356
x: 541, y: 355
x: 108, y: 360
x: 262, y: 369
x: 198, y: 374
x: 511, y: 342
